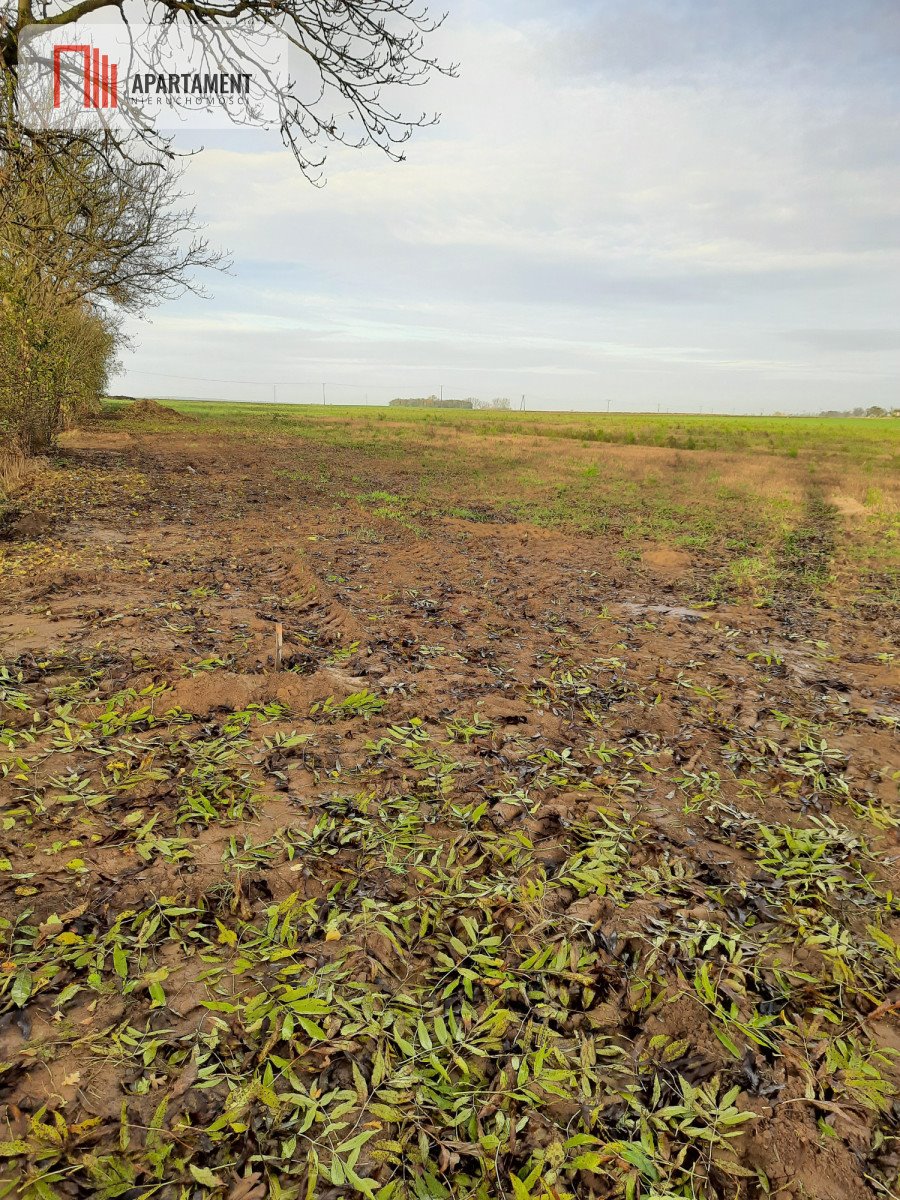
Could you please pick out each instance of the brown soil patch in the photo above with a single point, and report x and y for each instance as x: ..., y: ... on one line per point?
x: 524, y: 867
x: 667, y: 563
x: 847, y: 506
x: 142, y: 410
x: 94, y: 439
x: 28, y: 632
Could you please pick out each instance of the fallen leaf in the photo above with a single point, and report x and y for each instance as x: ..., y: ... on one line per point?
x: 248, y: 1188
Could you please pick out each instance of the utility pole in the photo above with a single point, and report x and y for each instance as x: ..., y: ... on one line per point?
x: 324, y: 401
x: 275, y: 393
x: 442, y: 393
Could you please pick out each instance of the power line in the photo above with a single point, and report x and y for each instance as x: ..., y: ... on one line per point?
x: 557, y: 403
x: 319, y: 383
x: 276, y: 383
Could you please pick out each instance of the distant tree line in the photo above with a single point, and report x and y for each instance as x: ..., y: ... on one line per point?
x: 873, y: 411
x: 499, y: 403
x: 428, y: 402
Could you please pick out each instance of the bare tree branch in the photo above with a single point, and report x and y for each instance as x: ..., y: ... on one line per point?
x: 362, y: 53
x: 96, y: 226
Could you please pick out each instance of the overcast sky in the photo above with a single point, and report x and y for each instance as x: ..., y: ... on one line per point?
x: 690, y: 204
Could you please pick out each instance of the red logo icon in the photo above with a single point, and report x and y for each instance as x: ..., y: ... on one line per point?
x: 101, y: 77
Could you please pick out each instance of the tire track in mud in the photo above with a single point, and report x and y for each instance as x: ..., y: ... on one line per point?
x: 804, y: 565
x: 311, y: 604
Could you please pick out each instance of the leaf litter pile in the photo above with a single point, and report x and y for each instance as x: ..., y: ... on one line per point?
x: 506, y: 885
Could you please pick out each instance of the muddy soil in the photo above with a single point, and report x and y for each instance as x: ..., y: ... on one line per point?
x: 523, y: 876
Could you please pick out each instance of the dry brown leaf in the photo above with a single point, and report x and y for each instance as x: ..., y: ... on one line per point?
x: 248, y: 1188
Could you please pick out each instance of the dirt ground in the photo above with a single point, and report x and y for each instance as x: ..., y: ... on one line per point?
x: 524, y: 876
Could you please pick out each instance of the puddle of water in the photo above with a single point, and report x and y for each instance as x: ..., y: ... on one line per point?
x: 103, y: 535
x: 667, y: 610
x: 19, y: 634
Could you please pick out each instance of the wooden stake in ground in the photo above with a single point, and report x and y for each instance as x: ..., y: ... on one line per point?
x: 279, y: 642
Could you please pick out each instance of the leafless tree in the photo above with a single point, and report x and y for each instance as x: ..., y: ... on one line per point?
x: 360, y: 54
x: 90, y: 224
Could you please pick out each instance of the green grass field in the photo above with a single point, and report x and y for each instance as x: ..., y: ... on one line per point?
x: 874, y: 442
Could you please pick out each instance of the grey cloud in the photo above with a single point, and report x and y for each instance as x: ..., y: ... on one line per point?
x: 692, y: 41
x: 862, y: 341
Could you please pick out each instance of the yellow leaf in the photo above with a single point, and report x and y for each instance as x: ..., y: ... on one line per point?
x: 227, y: 937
